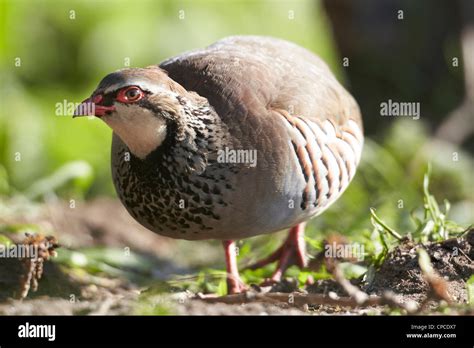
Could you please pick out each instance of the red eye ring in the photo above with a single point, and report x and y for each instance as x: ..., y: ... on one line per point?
x: 130, y: 94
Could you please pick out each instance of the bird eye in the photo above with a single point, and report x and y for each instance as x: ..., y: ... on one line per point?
x: 130, y: 94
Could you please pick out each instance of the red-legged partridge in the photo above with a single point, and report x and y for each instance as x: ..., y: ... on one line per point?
x: 250, y: 135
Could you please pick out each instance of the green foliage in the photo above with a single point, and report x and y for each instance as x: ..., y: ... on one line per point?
x: 156, y: 300
x: 156, y: 306
x: 207, y: 281
x: 106, y: 261
x: 435, y: 226
x: 470, y: 290
x: 4, y: 186
x: 19, y: 228
x: 4, y: 241
x: 65, y: 54
x: 77, y: 175
x: 432, y: 226
x: 382, y: 227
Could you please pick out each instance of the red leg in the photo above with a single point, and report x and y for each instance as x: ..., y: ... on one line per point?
x: 292, y: 252
x: 234, y: 283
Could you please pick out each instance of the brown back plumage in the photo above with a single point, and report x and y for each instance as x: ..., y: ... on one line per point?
x: 248, y: 75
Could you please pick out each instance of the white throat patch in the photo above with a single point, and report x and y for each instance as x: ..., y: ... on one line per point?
x: 138, y: 128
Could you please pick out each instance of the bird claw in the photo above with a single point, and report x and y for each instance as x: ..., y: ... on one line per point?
x: 292, y: 252
x: 235, y: 286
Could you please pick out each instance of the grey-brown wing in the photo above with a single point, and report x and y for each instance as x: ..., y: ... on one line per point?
x: 250, y: 75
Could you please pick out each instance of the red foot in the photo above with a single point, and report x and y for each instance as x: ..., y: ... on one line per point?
x: 292, y: 252
x: 234, y: 283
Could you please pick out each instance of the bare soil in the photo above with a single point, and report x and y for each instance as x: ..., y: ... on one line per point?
x: 104, y: 222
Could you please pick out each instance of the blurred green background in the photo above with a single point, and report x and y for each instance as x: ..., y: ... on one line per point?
x: 66, y: 47
x: 56, y: 51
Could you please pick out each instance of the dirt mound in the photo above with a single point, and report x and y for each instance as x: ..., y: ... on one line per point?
x: 401, y: 273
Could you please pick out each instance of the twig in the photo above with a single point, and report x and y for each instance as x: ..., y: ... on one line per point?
x: 356, y: 298
x: 353, y: 291
x: 359, y: 296
x: 438, y: 286
x: 296, y: 299
x: 362, y: 298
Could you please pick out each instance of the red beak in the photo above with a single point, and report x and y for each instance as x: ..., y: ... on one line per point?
x: 91, y: 107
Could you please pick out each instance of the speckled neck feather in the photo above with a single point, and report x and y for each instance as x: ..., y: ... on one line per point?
x: 180, y: 177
